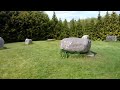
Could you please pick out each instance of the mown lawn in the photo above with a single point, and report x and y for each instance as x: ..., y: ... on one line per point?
x: 41, y: 60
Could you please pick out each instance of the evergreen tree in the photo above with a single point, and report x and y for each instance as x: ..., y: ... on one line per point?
x: 119, y: 28
x: 54, y: 22
x: 114, y: 24
x: 106, y: 25
x: 18, y: 25
x: 72, y: 28
x: 58, y: 28
x: 92, y: 28
x: 99, y: 28
x: 79, y: 29
x: 66, y: 30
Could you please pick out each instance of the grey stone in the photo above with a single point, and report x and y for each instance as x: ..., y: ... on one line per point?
x: 76, y: 45
x: 85, y: 36
x: 111, y: 38
x: 1, y: 42
x: 51, y: 39
x: 28, y: 41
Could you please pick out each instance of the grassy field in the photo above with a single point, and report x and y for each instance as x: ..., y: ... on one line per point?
x: 41, y: 60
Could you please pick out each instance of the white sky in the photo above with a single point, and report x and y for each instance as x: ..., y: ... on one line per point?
x: 76, y: 14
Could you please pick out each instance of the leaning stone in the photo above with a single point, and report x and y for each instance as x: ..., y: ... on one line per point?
x: 76, y: 45
x: 1, y: 42
x: 28, y: 41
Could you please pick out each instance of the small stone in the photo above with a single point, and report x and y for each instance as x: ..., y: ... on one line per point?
x: 28, y: 41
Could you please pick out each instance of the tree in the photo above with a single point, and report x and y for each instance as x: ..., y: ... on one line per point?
x: 73, y: 32
x: 79, y: 28
x: 18, y: 25
x: 54, y: 22
x: 114, y: 24
x: 6, y: 25
x: 66, y: 31
x: 92, y: 28
x: 99, y: 27
x: 59, y: 28
x: 106, y: 26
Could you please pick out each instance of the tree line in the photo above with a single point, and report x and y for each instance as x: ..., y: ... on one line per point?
x: 18, y: 25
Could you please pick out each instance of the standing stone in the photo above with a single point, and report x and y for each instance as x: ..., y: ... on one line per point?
x: 1, y: 42
x: 111, y: 38
x: 85, y: 36
x: 76, y: 45
x: 28, y: 41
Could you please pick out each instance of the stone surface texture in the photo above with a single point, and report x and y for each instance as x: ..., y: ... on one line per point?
x: 1, y: 42
x: 81, y: 45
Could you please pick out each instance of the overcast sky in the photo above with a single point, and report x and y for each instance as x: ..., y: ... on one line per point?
x: 76, y: 14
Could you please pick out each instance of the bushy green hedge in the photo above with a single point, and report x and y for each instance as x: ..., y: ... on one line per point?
x: 18, y: 25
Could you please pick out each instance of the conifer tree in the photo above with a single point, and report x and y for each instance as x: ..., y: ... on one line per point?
x: 58, y: 28
x: 99, y: 27
x: 79, y: 31
x: 66, y: 30
x: 54, y: 23
x: 106, y: 25
x: 72, y: 28
x: 114, y: 24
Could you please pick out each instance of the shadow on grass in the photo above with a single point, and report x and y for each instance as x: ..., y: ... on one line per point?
x: 93, y: 52
x: 110, y: 41
x: 3, y: 48
x: 27, y: 44
x: 66, y: 54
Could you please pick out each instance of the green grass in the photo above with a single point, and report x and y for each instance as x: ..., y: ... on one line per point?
x: 41, y: 60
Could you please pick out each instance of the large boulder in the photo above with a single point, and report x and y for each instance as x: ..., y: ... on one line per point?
x: 28, y: 41
x: 1, y: 42
x: 111, y: 38
x: 81, y: 45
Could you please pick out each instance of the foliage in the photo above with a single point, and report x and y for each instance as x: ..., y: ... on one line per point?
x: 18, y: 25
